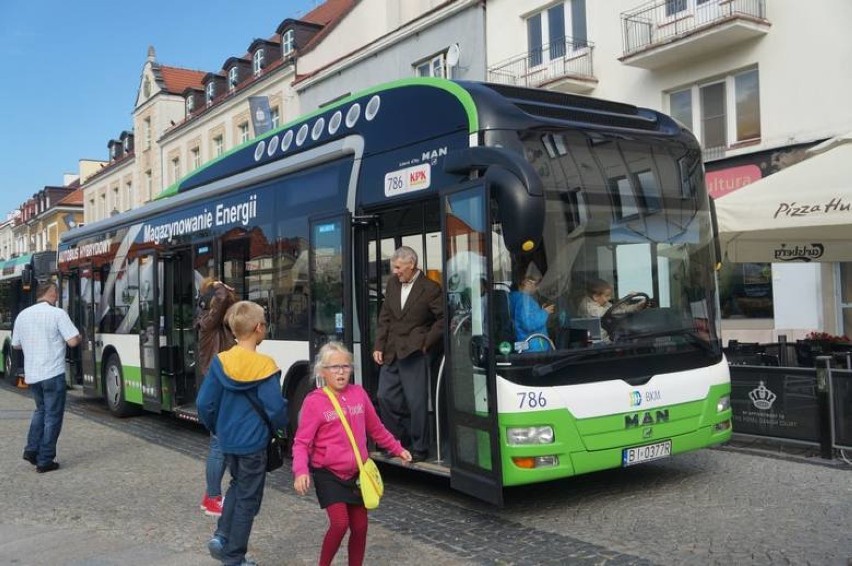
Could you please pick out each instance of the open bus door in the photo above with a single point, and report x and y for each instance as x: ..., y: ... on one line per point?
x: 472, y: 392
x: 150, y: 328
x: 177, y: 357
x: 83, y: 285
x: 329, y: 275
x: 72, y: 303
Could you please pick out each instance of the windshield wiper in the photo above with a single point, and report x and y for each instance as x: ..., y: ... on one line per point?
x: 542, y: 370
x: 689, y: 333
x: 546, y: 369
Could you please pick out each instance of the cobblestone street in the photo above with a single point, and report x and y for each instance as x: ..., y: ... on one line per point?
x: 128, y: 493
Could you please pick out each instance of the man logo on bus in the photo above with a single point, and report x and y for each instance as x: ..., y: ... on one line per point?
x: 647, y: 418
x: 432, y: 156
x: 635, y: 399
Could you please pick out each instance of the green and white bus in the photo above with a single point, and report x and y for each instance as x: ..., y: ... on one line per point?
x: 487, y: 183
x: 19, y: 277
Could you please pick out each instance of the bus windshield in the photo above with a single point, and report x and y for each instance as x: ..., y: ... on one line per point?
x: 624, y: 268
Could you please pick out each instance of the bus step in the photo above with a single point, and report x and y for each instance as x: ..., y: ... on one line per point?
x: 429, y: 466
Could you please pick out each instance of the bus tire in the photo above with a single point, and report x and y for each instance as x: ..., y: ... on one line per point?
x: 294, y: 406
x: 114, y: 388
x: 7, y: 365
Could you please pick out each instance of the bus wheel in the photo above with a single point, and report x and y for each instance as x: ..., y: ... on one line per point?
x: 294, y: 405
x: 114, y: 388
x: 7, y: 366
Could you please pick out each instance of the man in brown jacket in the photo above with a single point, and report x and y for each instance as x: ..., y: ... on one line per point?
x: 410, y: 324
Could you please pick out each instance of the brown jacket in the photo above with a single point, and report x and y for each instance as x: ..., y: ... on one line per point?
x: 418, y: 326
x: 213, y: 335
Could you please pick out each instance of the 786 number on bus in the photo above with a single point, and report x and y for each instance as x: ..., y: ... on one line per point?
x: 531, y: 400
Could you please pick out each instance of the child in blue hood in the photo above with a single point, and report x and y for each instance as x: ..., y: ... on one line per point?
x: 224, y: 408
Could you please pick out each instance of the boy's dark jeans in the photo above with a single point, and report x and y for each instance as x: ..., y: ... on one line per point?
x: 242, y: 502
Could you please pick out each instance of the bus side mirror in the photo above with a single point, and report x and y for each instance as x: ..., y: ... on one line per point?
x: 516, y: 187
x: 27, y: 278
x: 520, y: 213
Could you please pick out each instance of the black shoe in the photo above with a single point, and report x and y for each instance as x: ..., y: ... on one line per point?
x: 417, y: 456
x: 47, y: 468
x: 31, y: 457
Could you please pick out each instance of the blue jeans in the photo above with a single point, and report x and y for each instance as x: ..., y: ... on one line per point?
x: 242, y: 503
x: 215, y: 470
x: 49, y: 397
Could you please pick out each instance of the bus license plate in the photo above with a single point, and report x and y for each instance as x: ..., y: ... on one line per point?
x: 640, y: 454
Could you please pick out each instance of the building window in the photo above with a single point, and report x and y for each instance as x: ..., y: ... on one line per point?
x: 244, y: 132
x: 288, y: 42
x: 146, y: 88
x: 175, y: 169
x: 257, y: 61
x: 190, y: 104
x: 210, y: 92
x: 674, y: 7
x: 195, y: 153
x: 547, y: 38
x: 723, y: 112
x: 275, y: 117
x: 116, y: 200
x: 128, y: 193
x: 149, y: 185
x: 747, y: 87
x: 435, y: 66
x: 147, y: 128
x: 233, y: 78
x: 218, y: 146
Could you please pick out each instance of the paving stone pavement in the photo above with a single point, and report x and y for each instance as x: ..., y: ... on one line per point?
x: 129, y: 489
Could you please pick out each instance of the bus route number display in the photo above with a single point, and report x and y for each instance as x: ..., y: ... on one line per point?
x: 408, y: 180
x: 531, y: 400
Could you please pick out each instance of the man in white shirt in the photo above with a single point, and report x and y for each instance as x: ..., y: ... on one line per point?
x: 42, y: 331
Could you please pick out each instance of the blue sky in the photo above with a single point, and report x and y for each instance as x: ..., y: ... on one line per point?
x: 71, y: 71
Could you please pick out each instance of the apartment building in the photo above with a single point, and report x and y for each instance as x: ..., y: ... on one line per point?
x: 757, y: 81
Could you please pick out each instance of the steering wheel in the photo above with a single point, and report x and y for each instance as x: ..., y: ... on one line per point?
x: 620, y: 307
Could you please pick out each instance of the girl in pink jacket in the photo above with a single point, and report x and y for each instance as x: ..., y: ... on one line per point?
x: 322, y: 449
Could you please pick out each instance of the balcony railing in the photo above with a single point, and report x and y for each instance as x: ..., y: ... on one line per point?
x: 663, y: 21
x: 551, y: 63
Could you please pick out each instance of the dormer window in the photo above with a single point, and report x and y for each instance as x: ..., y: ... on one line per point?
x: 233, y: 78
x: 257, y: 61
x: 146, y: 88
x: 210, y: 92
x: 288, y: 42
x: 190, y: 104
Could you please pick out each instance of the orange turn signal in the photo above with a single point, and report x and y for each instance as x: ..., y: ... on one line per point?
x: 528, y: 463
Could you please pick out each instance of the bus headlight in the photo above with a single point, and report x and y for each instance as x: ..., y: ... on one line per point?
x: 530, y: 435
x: 724, y: 403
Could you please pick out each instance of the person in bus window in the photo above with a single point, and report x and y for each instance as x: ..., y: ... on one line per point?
x: 598, y: 300
x: 410, y: 325
x: 226, y: 407
x: 214, y: 336
x: 322, y: 450
x: 530, y: 318
x: 43, y: 331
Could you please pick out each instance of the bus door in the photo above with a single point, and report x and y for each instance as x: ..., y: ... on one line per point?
x: 150, y: 329
x: 472, y: 407
x: 379, y: 233
x: 177, y: 357
x: 72, y: 303
x: 87, y: 281
x: 329, y: 277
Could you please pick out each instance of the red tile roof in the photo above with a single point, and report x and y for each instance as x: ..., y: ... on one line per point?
x: 74, y: 198
x: 176, y: 80
x: 327, y: 15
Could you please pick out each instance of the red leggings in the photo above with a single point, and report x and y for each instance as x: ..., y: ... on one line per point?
x: 343, y: 517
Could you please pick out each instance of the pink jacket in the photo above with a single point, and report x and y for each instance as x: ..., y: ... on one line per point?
x: 322, y: 440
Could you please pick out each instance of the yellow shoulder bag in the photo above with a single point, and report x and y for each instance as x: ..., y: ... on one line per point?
x: 369, y: 478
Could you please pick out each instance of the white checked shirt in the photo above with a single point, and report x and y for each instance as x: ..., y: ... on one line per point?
x: 406, y: 288
x: 41, y: 330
